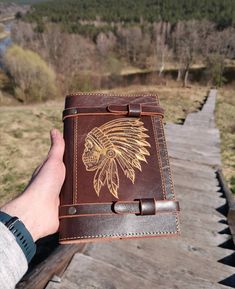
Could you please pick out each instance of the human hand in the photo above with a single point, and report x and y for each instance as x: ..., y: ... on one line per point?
x: 37, y: 207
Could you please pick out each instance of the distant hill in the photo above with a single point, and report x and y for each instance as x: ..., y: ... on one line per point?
x: 221, y: 12
x: 19, y: 2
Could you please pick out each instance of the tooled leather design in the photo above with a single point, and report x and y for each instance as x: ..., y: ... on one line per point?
x: 120, y: 143
x: 80, y: 228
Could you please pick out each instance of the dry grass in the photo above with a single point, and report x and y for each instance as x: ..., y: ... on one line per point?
x: 24, y: 143
x: 25, y: 130
x: 225, y: 118
x: 176, y: 100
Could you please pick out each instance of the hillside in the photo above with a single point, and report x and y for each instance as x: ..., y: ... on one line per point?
x: 19, y: 2
x: 134, y: 11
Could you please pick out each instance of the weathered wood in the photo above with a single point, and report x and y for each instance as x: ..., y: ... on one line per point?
x: 144, y: 259
x: 230, y: 201
x: 55, y: 264
x: 87, y: 272
x: 195, y: 156
x: 205, y: 117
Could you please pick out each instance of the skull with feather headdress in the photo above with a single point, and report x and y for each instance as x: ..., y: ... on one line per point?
x: 120, y: 142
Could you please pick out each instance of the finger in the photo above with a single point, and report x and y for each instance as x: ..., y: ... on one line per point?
x: 57, y: 145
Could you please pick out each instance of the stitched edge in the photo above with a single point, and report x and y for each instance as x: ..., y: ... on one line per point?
x: 167, y: 160
x: 158, y: 156
x: 126, y: 234
x: 122, y: 235
x: 117, y: 94
x: 153, y: 118
x: 75, y: 160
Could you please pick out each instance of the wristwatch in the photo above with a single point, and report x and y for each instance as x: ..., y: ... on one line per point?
x: 22, y: 235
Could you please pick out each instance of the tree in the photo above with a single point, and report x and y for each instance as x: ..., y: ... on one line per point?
x: 186, y: 47
x: 105, y: 43
x: 134, y: 45
x: 33, y: 79
x: 189, y: 39
x: 161, y: 34
x: 220, y: 46
x: 68, y: 54
x: 18, y: 15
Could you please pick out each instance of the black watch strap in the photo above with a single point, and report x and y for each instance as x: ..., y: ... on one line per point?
x: 22, y: 235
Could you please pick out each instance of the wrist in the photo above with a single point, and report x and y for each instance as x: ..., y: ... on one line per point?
x: 21, y: 234
x: 19, y: 207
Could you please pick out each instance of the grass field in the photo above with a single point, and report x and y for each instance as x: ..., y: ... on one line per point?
x: 225, y: 121
x: 25, y: 130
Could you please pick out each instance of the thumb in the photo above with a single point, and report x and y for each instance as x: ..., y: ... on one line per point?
x: 57, y: 145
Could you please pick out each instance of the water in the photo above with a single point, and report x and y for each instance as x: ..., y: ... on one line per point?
x: 4, y: 43
x: 7, y: 41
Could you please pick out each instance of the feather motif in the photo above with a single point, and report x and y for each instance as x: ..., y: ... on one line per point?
x: 127, y: 148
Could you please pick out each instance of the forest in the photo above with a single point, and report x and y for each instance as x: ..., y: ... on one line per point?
x: 85, y: 41
x: 19, y: 2
x: 134, y: 11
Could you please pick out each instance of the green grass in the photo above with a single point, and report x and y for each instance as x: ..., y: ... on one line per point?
x: 25, y: 141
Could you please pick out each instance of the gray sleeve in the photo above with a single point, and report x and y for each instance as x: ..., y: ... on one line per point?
x: 13, y: 263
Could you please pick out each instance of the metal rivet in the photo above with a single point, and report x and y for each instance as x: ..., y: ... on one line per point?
x: 72, y: 210
x: 73, y: 111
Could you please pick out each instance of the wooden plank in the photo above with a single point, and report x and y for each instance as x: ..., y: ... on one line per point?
x: 196, y: 157
x: 86, y: 272
x: 231, y: 202
x: 203, y: 170
x: 164, y: 261
x: 55, y: 264
x: 198, y: 139
x: 149, y: 268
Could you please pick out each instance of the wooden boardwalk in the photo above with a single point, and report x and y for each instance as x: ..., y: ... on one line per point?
x: 190, y: 261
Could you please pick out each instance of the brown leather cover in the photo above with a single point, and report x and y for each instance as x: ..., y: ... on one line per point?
x: 118, y: 181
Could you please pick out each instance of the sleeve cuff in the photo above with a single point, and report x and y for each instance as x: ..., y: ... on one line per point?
x: 13, y: 264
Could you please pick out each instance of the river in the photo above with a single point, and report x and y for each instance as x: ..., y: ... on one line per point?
x: 6, y: 41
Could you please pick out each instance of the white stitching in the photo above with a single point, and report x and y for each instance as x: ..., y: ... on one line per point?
x: 76, y: 161
x: 158, y: 156
x: 159, y: 159
x: 122, y: 235
x: 167, y: 160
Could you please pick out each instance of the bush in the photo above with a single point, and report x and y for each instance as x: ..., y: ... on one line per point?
x: 215, y: 69
x: 33, y: 79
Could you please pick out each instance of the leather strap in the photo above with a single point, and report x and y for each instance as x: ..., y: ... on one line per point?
x: 132, y: 110
x: 148, y: 206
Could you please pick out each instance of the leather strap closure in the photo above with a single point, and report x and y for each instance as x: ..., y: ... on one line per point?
x: 134, y: 109
x: 131, y: 110
x: 148, y: 206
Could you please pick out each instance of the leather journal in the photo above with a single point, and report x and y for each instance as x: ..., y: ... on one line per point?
x: 118, y: 182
